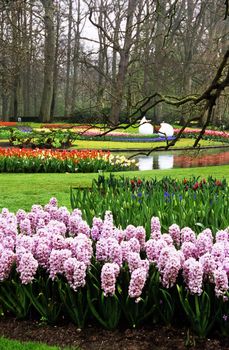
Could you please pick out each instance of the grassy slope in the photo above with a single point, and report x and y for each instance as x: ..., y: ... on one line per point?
x: 23, y: 190
x: 109, y: 145
x: 7, y: 344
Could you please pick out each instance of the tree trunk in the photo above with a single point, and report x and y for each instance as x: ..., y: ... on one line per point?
x: 4, y: 89
x: 118, y: 88
x: 101, y: 61
x: 147, y: 69
x: 56, y: 68
x: 67, y: 88
x: 114, y: 52
x: 26, y: 66
x: 158, y: 66
x: 17, y: 92
x: 27, y: 69
x: 76, y: 61
x: 49, y: 54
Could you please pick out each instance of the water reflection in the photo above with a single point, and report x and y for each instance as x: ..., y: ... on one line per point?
x: 156, y: 162
x: 183, y: 160
x: 145, y: 163
x: 165, y: 161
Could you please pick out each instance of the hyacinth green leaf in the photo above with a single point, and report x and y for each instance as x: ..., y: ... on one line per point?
x: 137, y: 312
x: 199, y: 315
x: 110, y: 310
x: 94, y: 280
x: 93, y: 309
x: 15, y: 299
x: 168, y: 311
x: 34, y: 299
x: 74, y: 303
x: 44, y: 303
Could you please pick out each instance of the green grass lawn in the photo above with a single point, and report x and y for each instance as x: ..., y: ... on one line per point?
x: 24, y: 190
x: 6, y: 344
x: 111, y: 145
x: 127, y: 145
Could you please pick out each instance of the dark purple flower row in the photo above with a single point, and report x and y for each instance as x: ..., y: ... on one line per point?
x: 141, y: 139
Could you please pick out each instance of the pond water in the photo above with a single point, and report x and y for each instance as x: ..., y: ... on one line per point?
x: 184, y: 159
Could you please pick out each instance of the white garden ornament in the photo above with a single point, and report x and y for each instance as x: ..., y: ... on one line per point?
x: 145, y: 127
x: 166, y: 130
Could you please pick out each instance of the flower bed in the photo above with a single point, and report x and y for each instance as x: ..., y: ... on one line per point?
x: 208, y: 134
x: 91, y: 131
x: 192, y: 202
x: 46, y: 161
x: 8, y: 123
x: 62, y: 135
x: 54, y: 265
x: 88, y: 131
x: 213, y: 133
x: 94, y: 133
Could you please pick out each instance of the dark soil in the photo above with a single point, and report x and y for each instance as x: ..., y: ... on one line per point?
x: 156, y: 338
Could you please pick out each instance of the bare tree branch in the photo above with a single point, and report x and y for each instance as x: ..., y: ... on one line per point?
x: 208, y: 97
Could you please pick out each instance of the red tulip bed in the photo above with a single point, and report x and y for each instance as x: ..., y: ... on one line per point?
x: 59, y: 161
x: 10, y: 124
